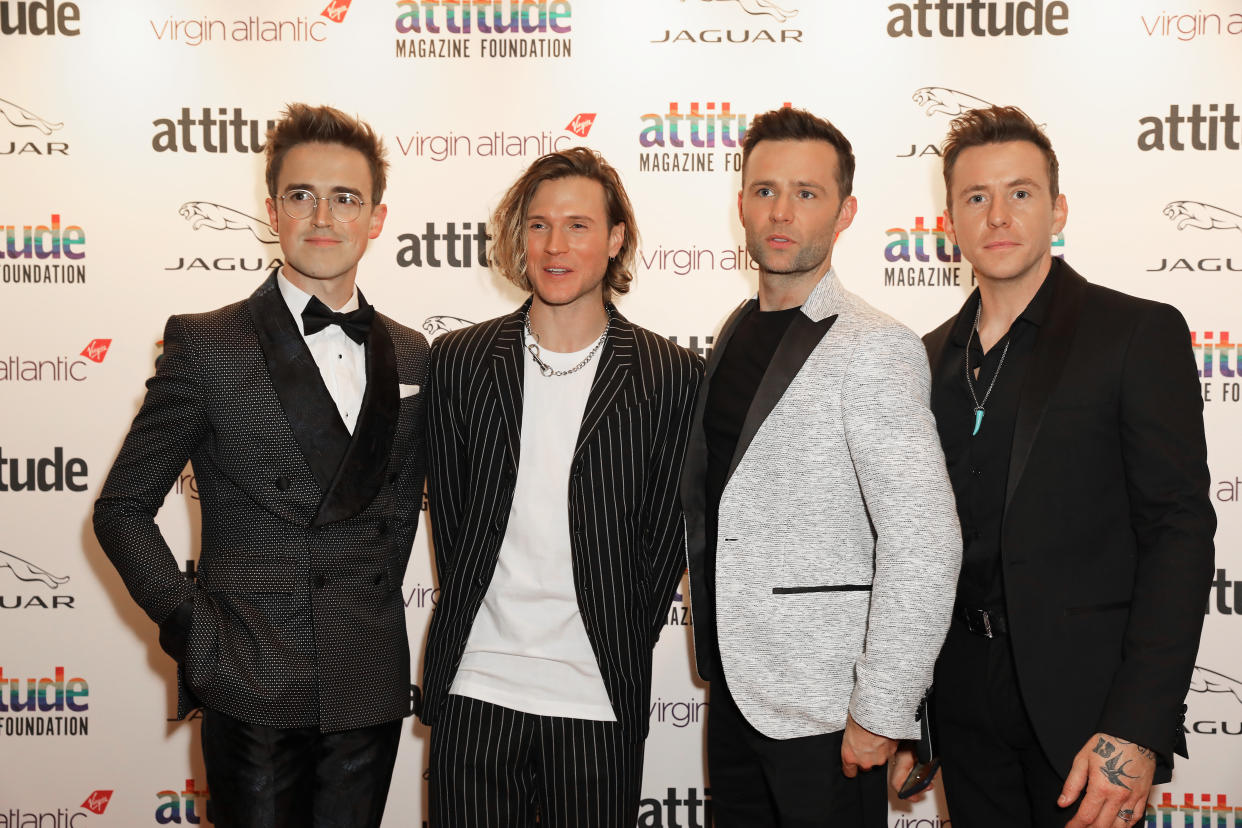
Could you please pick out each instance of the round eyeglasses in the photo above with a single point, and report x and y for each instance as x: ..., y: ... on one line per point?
x: 301, y: 204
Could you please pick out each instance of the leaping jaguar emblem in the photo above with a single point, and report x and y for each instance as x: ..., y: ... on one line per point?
x: 1200, y: 215
x: 1203, y: 680
x: 20, y: 116
x: 950, y: 102
x: 437, y: 325
x: 218, y: 217
x: 759, y: 7
x: 26, y: 571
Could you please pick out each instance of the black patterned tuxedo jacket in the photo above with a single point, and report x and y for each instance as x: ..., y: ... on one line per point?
x: 628, y: 538
x: 296, y: 616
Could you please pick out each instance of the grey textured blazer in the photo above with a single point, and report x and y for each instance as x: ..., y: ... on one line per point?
x: 838, y: 545
x: 306, y: 530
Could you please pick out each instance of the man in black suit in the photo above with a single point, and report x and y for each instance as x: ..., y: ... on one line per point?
x: 1072, y: 425
x: 557, y: 436
x: 299, y: 410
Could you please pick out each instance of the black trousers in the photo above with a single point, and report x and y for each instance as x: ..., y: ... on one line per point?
x: 268, y: 777
x: 994, y: 770
x: 761, y: 782
x: 493, y: 767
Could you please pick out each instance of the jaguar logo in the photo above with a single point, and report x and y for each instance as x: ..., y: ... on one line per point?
x: 761, y: 7
x: 26, y: 571
x: 1203, y: 680
x: 437, y: 325
x: 1200, y: 215
x: 939, y: 99
x: 19, y: 116
x: 214, y: 216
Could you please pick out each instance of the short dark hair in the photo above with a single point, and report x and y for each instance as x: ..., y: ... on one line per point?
x: 994, y: 125
x: 508, y: 252
x: 303, y: 124
x: 789, y: 124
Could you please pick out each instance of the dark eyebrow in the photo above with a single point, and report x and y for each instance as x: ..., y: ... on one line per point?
x: 336, y: 189
x: 805, y: 184
x: 1017, y: 182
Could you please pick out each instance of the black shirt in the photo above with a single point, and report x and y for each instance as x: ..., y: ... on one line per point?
x: 979, y: 464
x: 733, y: 387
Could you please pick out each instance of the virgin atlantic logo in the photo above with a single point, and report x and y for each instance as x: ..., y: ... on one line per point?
x: 336, y: 10
x: 97, y: 802
x: 581, y: 124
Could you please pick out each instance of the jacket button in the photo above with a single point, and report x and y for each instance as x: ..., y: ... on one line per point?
x: 382, y: 528
x: 392, y: 478
x: 320, y: 582
x: 379, y: 578
x: 282, y: 483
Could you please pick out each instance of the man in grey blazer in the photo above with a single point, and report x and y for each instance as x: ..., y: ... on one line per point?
x: 823, y: 539
x: 299, y: 410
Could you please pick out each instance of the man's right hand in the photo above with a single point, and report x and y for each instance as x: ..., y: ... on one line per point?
x: 863, y: 750
x: 899, y: 768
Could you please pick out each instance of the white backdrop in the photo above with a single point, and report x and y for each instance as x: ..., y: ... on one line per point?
x: 131, y: 179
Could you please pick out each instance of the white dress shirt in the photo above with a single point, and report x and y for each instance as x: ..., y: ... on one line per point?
x: 342, y: 362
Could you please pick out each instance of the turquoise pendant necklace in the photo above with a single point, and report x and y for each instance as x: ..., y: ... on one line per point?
x: 979, y: 404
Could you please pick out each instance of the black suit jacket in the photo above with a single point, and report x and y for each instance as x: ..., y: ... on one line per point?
x: 306, y: 530
x: 1106, y: 540
x: 628, y: 535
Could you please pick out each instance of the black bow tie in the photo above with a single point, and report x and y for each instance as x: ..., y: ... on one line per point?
x: 356, y: 324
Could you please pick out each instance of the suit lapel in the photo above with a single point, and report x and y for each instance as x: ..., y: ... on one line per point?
x: 360, y: 474
x: 506, y: 359
x: 800, y: 339
x: 312, y: 415
x: 613, y: 374
x: 1052, y: 349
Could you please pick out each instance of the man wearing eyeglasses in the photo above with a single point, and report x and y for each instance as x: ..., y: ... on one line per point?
x: 300, y: 411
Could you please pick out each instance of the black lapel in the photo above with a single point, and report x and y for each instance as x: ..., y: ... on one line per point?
x: 361, y: 472
x: 1052, y: 349
x: 613, y: 373
x: 506, y: 358
x: 312, y: 416
x: 800, y: 339
x: 692, y: 491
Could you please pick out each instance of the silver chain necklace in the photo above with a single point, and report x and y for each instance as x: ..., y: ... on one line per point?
x: 970, y: 385
x: 544, y: 368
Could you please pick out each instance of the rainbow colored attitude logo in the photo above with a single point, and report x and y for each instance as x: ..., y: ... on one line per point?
x: 43, y: 241
x: 1203, y: 813
x: 705, y: 125
x: 43, y: 695
x: 1213, y: 352
x: 527, y: 17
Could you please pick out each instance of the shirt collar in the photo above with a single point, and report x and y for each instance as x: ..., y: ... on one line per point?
x: 1034, y: 313
x: 296, y: 299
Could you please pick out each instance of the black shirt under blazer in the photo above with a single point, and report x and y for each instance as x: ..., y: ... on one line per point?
x: 1106, y: 541
x: 296, y: 615
x: 628, y: 538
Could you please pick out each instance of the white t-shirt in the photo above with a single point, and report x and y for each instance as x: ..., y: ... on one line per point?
x: 342, y: 362
x: 528, y: 649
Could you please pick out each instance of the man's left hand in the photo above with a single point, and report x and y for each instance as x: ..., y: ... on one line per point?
x: 863, y: 750
x: 1117, y: 777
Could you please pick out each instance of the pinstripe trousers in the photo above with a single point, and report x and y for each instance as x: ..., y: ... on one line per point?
x: 493, y: 767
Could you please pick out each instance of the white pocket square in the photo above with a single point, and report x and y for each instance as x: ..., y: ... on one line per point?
x: 407, y: 389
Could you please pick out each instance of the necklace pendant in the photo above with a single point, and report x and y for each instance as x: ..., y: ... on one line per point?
x: 978, y: 421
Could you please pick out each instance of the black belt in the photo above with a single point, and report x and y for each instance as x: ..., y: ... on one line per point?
x: 987, y: 623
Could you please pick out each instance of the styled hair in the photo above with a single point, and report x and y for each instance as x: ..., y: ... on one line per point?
x: 994, y: 125
x: 789, y: 124
x: 303, y: 124
x: 508, y: 249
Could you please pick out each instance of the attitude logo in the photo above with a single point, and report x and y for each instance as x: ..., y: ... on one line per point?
x: 705, y: 136
x: 1226, y: 595
x: 486, y: 29
x: 1211, y: 127
x: 29, y: 590
x: 922, y: 256
x: 212, y: 132
x: 20, y: 143
x: 450, y: 247
x: 975, y: 18
x: 59, y: 368
x: 189, y: 806
x: 49, y: 706
x: 197, y: 31
x: 44, y: 474
x: 715, y: 35
x: 445, y: 146
x: 700, y: 344
x: 208, y: 215
x: 40, y: 17
x: 1218, y: 356
x: 677, y: 810
x: 1203, y: 811
x: 59, y: 251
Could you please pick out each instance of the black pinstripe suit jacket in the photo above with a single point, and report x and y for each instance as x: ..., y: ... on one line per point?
x: 296, y: 617
x: 627, y: 531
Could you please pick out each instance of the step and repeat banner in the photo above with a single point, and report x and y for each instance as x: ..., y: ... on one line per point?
x: 131, y: 188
